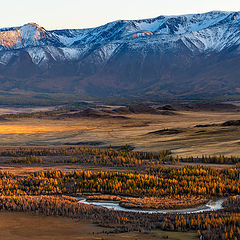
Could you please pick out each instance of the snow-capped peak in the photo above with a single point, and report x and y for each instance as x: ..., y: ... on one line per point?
x: 21, y: 36
x: 208, y: 31
x: 183, y: 23
x: 32, y: 31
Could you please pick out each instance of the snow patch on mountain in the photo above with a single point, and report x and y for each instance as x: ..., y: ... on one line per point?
x: 107, y: 51
x: 70, y: 53
x: 38, y: 55
x: 5, y: 57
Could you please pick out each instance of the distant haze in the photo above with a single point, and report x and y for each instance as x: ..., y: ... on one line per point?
x: 60, y: 14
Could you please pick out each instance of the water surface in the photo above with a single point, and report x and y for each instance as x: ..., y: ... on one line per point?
x: 212, y: 205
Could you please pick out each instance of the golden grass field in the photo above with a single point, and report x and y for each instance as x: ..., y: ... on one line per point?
x: 134, y: 130
x: 24, y: 226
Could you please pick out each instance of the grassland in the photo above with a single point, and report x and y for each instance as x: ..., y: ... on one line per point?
x: 145, y: 132
x: 24, y: 226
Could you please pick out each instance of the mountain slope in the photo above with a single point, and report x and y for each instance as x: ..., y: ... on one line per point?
x: 188, y: 56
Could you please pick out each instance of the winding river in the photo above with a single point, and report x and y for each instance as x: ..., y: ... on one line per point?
x: 210, y: 206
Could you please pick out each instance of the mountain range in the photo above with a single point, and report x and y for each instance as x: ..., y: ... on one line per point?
x: 187, y: 56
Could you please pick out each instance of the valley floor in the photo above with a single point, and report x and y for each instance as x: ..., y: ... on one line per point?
x: 185, y: 134
x: 49, y: 160
x: 25, y: 226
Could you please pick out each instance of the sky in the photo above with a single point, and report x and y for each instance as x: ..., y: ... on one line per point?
x: 62, y: 14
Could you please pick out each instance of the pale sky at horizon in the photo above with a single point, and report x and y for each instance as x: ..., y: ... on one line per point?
x: 61, y: 14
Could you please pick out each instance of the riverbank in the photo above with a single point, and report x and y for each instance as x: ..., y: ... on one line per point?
x: 148, y: 203
x: 212, y: 205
